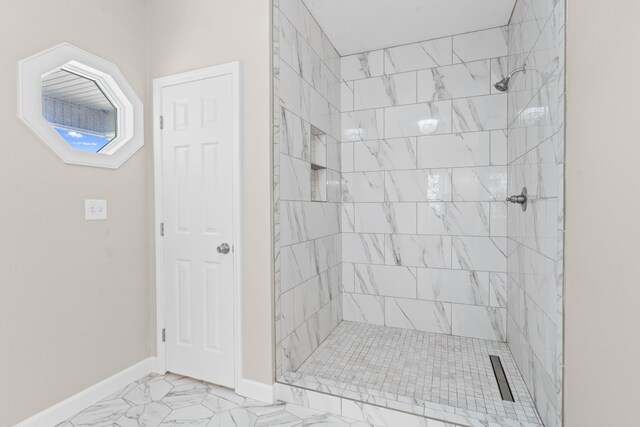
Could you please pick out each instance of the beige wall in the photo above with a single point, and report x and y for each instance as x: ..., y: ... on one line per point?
x: 187, y: 35
x: 602, y: 323
x: 74, y: 295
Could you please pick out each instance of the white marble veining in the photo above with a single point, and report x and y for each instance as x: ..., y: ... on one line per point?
x: 384, y: 154
x: 295, y: 179
x: 533, y: 288
x: 102, y: 414
x: 210, y: 406
x: 385, y: 91
x: 286, y: 39
x: 363, y: 187
x: 301, y: 221
x: 367, y: 414
x: 454, y: 81
x: 385, y: 280
x: 148, y: 392
x: 454, y: 150
x: 307, y: 201
x: 481, y: 322
x: 488, y: 112
x: 418, y: 315
x: 362, y: 125
x: 363, y: 248
x: 431, y: 131
x: 346, y: 96
x: 362, y: 65
x: 417, y: 56
x: 430, y: 118
x: 296, y: 264
x: 348, y: 218
x: 498, y: 290
x: 310, y: 296
x: 290, y: 89
x: 479, y: 184
x: 421, y: 185
x: 418, y: 251
x: 295, y: 135
x: 363, y: 308
x: 455, y: 219
x: 444, y: 377
x: 479, y: 253
x: 456, y: 286
x: 320, y: 111
x: 390, y: 218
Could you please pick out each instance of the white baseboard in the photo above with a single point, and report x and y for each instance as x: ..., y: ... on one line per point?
x: 255, y: 390
x: 89, y: 396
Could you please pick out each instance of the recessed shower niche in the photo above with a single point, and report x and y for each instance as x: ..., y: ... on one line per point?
x: 401, y: 271
x: 318, y: 165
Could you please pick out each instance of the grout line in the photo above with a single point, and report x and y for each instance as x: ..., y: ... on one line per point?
x: 452, y: 64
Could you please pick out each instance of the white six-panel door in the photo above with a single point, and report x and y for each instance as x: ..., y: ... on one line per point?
x: 197, y: 204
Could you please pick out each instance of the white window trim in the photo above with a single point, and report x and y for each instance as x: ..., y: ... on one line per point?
x: 130, y: 129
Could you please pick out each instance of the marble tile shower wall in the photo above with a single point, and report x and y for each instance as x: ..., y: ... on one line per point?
x: 536, y: 160
x: 424, y: 178
x: 307, y: 204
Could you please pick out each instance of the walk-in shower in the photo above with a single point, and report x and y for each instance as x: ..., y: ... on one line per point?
x: 405, y: 281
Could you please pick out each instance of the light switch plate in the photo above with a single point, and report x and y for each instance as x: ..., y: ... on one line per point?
x: 95, y: 209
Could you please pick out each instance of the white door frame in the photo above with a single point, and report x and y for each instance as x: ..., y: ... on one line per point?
x: 233, y: 69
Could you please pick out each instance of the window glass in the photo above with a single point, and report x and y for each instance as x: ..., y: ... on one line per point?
x: 78, y: 110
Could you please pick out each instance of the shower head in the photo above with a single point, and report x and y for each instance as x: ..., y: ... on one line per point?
x: 503, y: 85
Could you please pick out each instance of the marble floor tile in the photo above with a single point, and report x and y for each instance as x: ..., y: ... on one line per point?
x: 172, y: 400
x: 186, y: 395
x: 150, y: 415
x: 148, y: 392
x: 102, y: 414
x: 196, y: 415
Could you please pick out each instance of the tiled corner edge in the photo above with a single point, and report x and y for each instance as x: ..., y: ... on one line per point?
x: 371, y: 414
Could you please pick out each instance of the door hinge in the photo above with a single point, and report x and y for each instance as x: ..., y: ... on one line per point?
x: 162, y: 229
x: 164, y: 335
x: 161, y: 122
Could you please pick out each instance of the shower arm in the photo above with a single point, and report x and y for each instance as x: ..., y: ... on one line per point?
x: 517, y: 70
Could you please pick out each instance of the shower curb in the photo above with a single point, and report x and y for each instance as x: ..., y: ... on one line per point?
x: 378, y: 415
x: 375, y: 415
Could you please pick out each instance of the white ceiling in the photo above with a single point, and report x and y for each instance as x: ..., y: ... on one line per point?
x: 355, y: 26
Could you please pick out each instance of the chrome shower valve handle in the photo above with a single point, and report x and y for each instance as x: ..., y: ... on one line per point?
x: 519, y: 199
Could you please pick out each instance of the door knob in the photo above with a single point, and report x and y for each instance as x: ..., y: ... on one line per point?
x: 223, y: 248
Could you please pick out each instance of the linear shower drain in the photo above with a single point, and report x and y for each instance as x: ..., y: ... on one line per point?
x: 501, y: 378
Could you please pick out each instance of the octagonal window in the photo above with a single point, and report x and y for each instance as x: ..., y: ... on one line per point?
x: 78, y: 110
x: 81, y: 106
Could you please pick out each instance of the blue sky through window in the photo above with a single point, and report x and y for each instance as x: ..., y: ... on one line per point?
x: 84, y: 141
